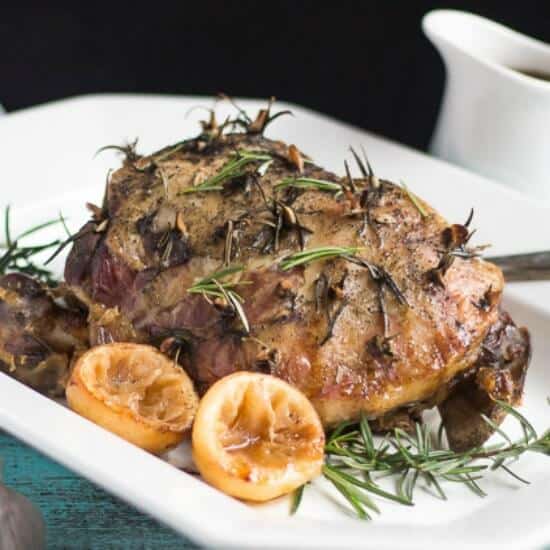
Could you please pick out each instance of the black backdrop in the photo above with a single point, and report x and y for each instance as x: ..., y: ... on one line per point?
x: 365, y: 62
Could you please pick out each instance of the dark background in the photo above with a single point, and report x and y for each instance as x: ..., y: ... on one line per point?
x: 364, y: 62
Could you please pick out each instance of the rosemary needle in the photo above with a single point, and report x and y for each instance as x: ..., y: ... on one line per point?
x: 296, y: 499
x: 314, y: 254
x: 213, y: 285
x: 309, y: 183
x: 415, y: 201
x: 232, y: 169
x: 17, y: 258
x: 353, y: 457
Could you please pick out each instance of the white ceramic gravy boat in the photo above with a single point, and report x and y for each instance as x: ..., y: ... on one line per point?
x: 494, y: 120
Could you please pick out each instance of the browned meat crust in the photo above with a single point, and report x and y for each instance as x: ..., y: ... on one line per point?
x: 37, y: 335
x: 388, y: 332
x: 499, y: 374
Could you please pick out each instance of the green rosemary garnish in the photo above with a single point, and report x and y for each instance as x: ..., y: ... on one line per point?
x: 379, y: 275
x: 315, y: 254
x: 171, y: 150
x: 296, y: 499
x: 415, y: 201
x: 16, y: 258
x: 353, y: 459
x: 99, y: 227
x: 233, y: 169
x: 309, y: 183
x: 213, y: 286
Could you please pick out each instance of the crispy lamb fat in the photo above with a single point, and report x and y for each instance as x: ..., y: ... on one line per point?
x: 390, y: 330
x: 38, y: 336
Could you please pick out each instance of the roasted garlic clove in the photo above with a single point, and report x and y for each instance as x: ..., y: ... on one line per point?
x: 21, y: 524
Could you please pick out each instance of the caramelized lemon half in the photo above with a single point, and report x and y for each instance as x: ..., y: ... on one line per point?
x: 256, y: 437
x: 135, y: 392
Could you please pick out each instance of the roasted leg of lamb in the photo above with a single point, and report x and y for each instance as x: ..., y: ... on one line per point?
x: 351, y: 289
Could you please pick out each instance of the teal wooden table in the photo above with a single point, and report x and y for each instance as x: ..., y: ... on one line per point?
x: 77, y: 513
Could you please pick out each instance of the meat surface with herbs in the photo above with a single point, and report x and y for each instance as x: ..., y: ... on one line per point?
x: 233, y: 252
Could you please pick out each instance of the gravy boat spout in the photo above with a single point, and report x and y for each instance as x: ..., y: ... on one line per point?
x: 494, y: 118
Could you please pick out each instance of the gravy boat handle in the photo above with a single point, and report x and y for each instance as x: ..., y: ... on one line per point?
x: 524, y: 267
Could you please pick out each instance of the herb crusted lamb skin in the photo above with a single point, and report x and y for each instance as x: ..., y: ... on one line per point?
x: 389, y: 325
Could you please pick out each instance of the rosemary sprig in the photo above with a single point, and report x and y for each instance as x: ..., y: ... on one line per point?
x: 232, y: 169
x: 308, y: 183
x: 213, y: 286
x: 296, y: 499
x: 353, y: 459
x: 169, y: 151
x: 16, y: 258
x: 314, y: 254
x: 415, y: 201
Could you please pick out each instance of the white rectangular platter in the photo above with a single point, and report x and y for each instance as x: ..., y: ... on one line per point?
x: 46, y: 154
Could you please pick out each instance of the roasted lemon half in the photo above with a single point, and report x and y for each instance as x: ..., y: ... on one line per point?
x: 135, y: 392
x: 256, y: 437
